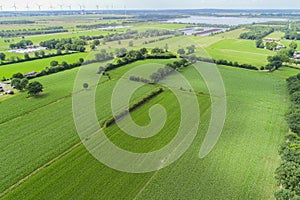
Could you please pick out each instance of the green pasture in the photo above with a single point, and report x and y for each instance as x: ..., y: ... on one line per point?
x: 37, y: 65
x: 241, y: 166
x: 277, y: 35
x: 242, y: 51
x: 48, y: 134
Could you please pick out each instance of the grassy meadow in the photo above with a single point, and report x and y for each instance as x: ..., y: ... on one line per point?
x: 42, y: 156
x: 249, y: 142
x: 37, y: 65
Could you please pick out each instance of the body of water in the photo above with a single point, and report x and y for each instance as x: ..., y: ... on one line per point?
x: 232, y: 21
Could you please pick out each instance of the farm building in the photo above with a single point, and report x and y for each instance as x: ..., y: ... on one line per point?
x: 280, y: 47
x: 297, y: 56
x: 30, y: 74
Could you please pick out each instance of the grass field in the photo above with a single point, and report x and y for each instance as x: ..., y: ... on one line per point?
x: 277, y: 35
x: 240, y: 167
x: 221, y: 46
x: 242, y: 51
x: 37, y: 65
x: 50, y: 105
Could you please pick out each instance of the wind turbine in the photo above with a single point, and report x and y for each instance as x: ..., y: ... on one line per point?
x: 51, y: 6
x: 1, y: 7
x: 97, y: 6
x: 27, y: 6
x: 61, y: 6
x: 39, y: 6
x: 70, y: 7
x: 125, y: 12
x: 14, y: 6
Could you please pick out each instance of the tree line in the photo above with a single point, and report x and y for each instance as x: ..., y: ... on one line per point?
x: 21, y: 83
x: 130, y: 57
x: 133, y: 107
x: 291, y: 32
x: 161, y: 72
x: 31, y: 31
x: 68, y: 44
x: 157, y: 40
x: 135, y: 55
x: 134, y: 34
x: 37, y: 55
x: 21, y: 45
x: 94, y: 26
x: 194, y: 59
x: 288, y: 173
x: 257, y: 32
x: 17, y: 22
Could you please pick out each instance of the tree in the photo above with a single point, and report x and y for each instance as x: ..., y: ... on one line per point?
x: 26, y: 56
x: 166, y: 47
x: 24, y: 83
x: 35, y: 88
x: 293, y: 120
x: 53, y: 63
x: 295, y: 97
x: 2, y: 56
x: 275, y: 61
x: 143, y: 51
x: 293, y: 45
x: 181, y: 51
x: 18, y: 75
x: 58, y: 52
x: 42, y: 53
x: 271, y: 45
x: 80, y: 48
x: 93, y: 47
x: 156, y: 50
x: 81, y: 60
x: 130, y: 43
x: 284, y: 55
x: 12, y: 46
x: 36, y: 54
x: 19, y: 84
x: 260, y: 43
x: 191, y: 49
x: 96, y: 42
x: 15, y: 82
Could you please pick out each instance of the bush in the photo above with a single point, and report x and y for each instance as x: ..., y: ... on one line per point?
x: 293, y: 120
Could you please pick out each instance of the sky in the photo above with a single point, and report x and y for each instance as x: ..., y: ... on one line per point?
x: 151, y: 4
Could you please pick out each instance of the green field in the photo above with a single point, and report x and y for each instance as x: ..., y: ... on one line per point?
x: 242, y: 51
x: 277, y: 35
x: 42, y: 156
x: 240, y: 167
x: 221, y: 46
x: 37, y: 65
